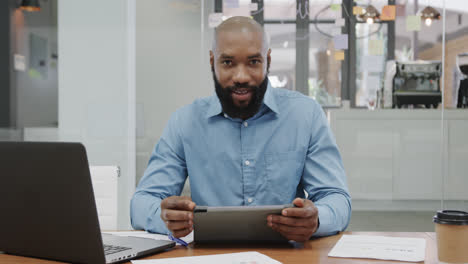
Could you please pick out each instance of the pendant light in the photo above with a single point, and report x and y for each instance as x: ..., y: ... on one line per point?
x: 30, y: 5
x: 429, y: 14
x: 370, y: 14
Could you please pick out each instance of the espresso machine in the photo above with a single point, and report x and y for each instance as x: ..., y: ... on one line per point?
x: 462, y: 101
x: 462, y: 81
x: 417, y: 83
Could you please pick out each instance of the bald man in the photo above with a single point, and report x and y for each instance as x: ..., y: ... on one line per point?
x: 251, y: 144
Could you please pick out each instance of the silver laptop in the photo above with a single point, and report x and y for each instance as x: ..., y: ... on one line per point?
x: 48, y: 210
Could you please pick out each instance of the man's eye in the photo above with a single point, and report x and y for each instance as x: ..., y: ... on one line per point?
x: 255, y: 62
x: 227, y: 62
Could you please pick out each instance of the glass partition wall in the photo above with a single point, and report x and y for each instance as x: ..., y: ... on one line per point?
x: 29, y: 93
x: 392, y: 84
x: 378, y: 68
x: 66, y: 78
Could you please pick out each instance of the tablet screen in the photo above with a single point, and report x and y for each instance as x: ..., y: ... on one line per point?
x: 236, y: 223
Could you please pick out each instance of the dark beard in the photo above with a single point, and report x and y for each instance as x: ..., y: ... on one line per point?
x: 229, y: 108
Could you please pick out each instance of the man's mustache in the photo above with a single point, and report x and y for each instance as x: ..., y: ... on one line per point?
x: 240, y: 86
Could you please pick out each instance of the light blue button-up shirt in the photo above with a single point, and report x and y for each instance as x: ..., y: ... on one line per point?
x: 282, y: 152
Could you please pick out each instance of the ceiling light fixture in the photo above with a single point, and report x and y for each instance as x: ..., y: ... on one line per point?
x: 429, y: 14
x: 30, y: 5
x: 370, y: 14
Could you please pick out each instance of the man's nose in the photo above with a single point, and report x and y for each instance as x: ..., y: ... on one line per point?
x: 241, y: 75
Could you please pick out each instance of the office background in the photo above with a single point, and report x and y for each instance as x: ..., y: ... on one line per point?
x: 109, y: 73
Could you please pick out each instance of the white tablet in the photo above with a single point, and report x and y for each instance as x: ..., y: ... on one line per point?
x: 236, y: 223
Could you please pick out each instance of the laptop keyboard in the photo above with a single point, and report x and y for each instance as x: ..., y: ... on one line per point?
x: 109, y: 249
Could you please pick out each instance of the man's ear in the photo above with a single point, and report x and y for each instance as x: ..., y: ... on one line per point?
x: 268, y: 60
x: 268, y: 56
x: 211, y: 59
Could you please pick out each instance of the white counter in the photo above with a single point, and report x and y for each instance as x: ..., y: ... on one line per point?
x: 399, y: 159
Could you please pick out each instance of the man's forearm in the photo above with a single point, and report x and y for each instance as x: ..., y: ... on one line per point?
x: 145, y: 211
x: 334, y: 212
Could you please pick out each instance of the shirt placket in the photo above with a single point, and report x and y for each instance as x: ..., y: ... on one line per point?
x: 248, y: 164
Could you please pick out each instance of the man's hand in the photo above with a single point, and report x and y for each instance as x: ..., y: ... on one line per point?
x: 177, y: 213
x: 298, y: 223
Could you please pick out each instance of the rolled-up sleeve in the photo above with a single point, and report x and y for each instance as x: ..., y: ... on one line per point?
x: 324, y: 178
x: 165, y: 176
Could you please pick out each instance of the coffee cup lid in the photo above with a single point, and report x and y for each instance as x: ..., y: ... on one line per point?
x: 451, y: 217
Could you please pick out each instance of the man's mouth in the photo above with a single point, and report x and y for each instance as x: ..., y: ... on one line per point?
x: 241, y: 96
x: 241, y: 91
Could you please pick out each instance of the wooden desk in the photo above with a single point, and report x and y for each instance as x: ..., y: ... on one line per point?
x: 314, y: 251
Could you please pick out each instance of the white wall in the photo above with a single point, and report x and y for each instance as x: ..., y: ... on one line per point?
x: 172, y: 65
x: 95, y: 90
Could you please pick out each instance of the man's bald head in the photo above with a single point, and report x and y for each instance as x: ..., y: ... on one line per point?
x: 240, y: 60
x: 240, y: 24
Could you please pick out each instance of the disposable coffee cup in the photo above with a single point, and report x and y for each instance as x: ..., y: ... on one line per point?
x: 452, y: 236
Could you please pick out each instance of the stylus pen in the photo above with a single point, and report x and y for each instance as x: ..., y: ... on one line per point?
x: 177, y: 240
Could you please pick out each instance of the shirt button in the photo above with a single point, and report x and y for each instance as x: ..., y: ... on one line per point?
x: 246, y: 124
x: 250, y: 200
x: 247, y: 162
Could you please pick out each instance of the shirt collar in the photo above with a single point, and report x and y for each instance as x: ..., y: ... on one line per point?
x: 269, y: 99
x: 215, y: 108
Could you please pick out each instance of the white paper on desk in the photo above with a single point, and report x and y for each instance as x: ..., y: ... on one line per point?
x: 188, y: 238
x: 380, y: 247
x: 251, y: 257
